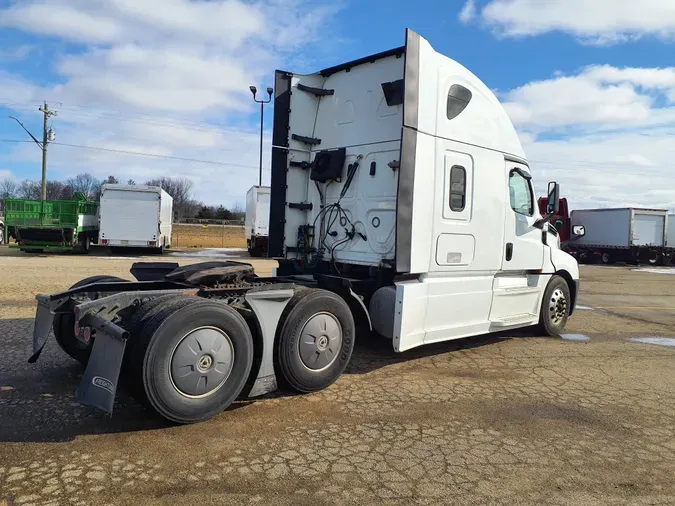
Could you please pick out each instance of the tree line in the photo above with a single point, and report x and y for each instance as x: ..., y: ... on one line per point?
x: 180, y: 189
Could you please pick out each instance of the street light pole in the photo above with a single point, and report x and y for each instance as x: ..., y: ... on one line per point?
x: 262, y: 103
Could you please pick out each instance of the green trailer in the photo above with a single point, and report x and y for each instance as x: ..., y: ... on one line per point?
x: 52, y: 225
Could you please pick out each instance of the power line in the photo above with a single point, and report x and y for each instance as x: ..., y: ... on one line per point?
x: 155, y: 155
x: 113, y: 114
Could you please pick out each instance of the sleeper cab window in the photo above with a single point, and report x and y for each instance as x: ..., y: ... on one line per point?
x: 458, y: 98
x: 457, y: 188
x: 520, y: 193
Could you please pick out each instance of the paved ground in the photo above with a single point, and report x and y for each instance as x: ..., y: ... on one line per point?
x: 505, y: 419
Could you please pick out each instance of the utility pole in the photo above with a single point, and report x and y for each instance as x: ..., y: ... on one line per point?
x: 45, y: 140
x: 47, y: 137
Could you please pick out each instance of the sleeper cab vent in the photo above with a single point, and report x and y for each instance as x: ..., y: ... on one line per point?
x: 327, y: 165
x: 458, y: 98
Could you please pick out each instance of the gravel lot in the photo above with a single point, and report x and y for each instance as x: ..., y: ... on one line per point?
x: 508, y: 419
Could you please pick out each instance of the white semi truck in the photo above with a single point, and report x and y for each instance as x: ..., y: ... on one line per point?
x: 257, y: 221
x: 401, y: 200
x: 135, y: 216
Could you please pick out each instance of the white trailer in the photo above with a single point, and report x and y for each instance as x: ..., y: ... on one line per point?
x: 257, y: 222
x: 134, y: 216
x: 670, y: 235
x: 620, y: 235
x: 401, y: 200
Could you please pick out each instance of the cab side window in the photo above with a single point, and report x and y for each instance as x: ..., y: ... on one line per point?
x: 520, y: 192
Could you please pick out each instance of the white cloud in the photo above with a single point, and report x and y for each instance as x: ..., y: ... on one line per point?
x: 17, y: 53
x: 606, y: 134
x: 468, y: 12
x: 596, y: 21
x: 166, y: 77
x: 598, y: 97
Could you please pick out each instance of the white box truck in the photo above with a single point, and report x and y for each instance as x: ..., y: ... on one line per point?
x: 401, y: 201
x: 629, y: 235
x: 134, y: 216
x: 257, y: 222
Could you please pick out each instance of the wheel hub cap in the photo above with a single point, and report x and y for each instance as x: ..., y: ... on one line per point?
x: 201, y: 362
x: 320, y: 341
x: 557, y: 306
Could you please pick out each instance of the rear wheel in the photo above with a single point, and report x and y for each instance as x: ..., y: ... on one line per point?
x: 555, y: 307
x: 85, y: 243
x: 316, y: 340
x: 64, y: 324
x: 655, y: 258
x: 606, y: 258
x: 135, y: 352
x: 197, y: 357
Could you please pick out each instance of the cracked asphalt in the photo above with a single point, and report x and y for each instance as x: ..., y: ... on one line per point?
x: 505, y: 419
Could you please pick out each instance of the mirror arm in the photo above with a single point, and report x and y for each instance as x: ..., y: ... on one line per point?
x: 543, y: 221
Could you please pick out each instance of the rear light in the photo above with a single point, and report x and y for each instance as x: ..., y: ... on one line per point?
x: 151, y: 244
x: 22, y: 243
x: 104, y: 242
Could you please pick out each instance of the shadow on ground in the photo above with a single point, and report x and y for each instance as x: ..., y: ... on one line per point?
x: 37, y: 401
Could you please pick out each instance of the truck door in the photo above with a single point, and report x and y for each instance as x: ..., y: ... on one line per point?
x: 523, y: 246
x: 517, y: 287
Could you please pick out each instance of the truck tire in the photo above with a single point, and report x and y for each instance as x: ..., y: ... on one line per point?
x: 315, y: 340
x: 606, y: 258
x: 197, y: 357
x: 654, y: 258
x: 85, y: 243
x: 135, y: 351
x: 64, y: 325
x: 555, y: 307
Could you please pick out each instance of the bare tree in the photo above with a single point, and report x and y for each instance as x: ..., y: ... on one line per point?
x: 56, y: 190
x: 131, y: 182
x: 180, y: 190
x: 29, y: 190
x: 8, y: 189
x: 86, y: 184
x: 111, y: 180
x: 238, y: 212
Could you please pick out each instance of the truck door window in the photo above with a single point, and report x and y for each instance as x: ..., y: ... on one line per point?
x: 520, y: 192
x: 457, y: 188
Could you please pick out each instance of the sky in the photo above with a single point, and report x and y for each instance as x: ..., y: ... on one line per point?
x: 161, y: 87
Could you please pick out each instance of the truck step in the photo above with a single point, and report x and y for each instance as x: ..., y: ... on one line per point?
x: 514, y: 320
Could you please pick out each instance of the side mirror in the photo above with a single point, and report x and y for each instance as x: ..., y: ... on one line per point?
x: 553, y: 198
x: 579, y: 230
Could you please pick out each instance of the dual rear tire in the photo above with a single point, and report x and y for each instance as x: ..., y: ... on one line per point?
x: 64, y: 324
x: 189, y: 358
x: 192, y: 357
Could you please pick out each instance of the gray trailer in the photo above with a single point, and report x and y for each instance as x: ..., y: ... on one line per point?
x: 630, y: 235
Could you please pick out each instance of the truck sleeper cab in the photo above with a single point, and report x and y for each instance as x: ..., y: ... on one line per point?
x: 401, y: 200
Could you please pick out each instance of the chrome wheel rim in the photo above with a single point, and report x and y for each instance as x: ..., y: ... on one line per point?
x: 320, y: 341
x: 201, y: 362
x: 557, y: 306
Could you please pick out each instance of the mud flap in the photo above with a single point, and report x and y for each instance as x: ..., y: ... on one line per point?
x: 43, y: 325
x: 99, y: 382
